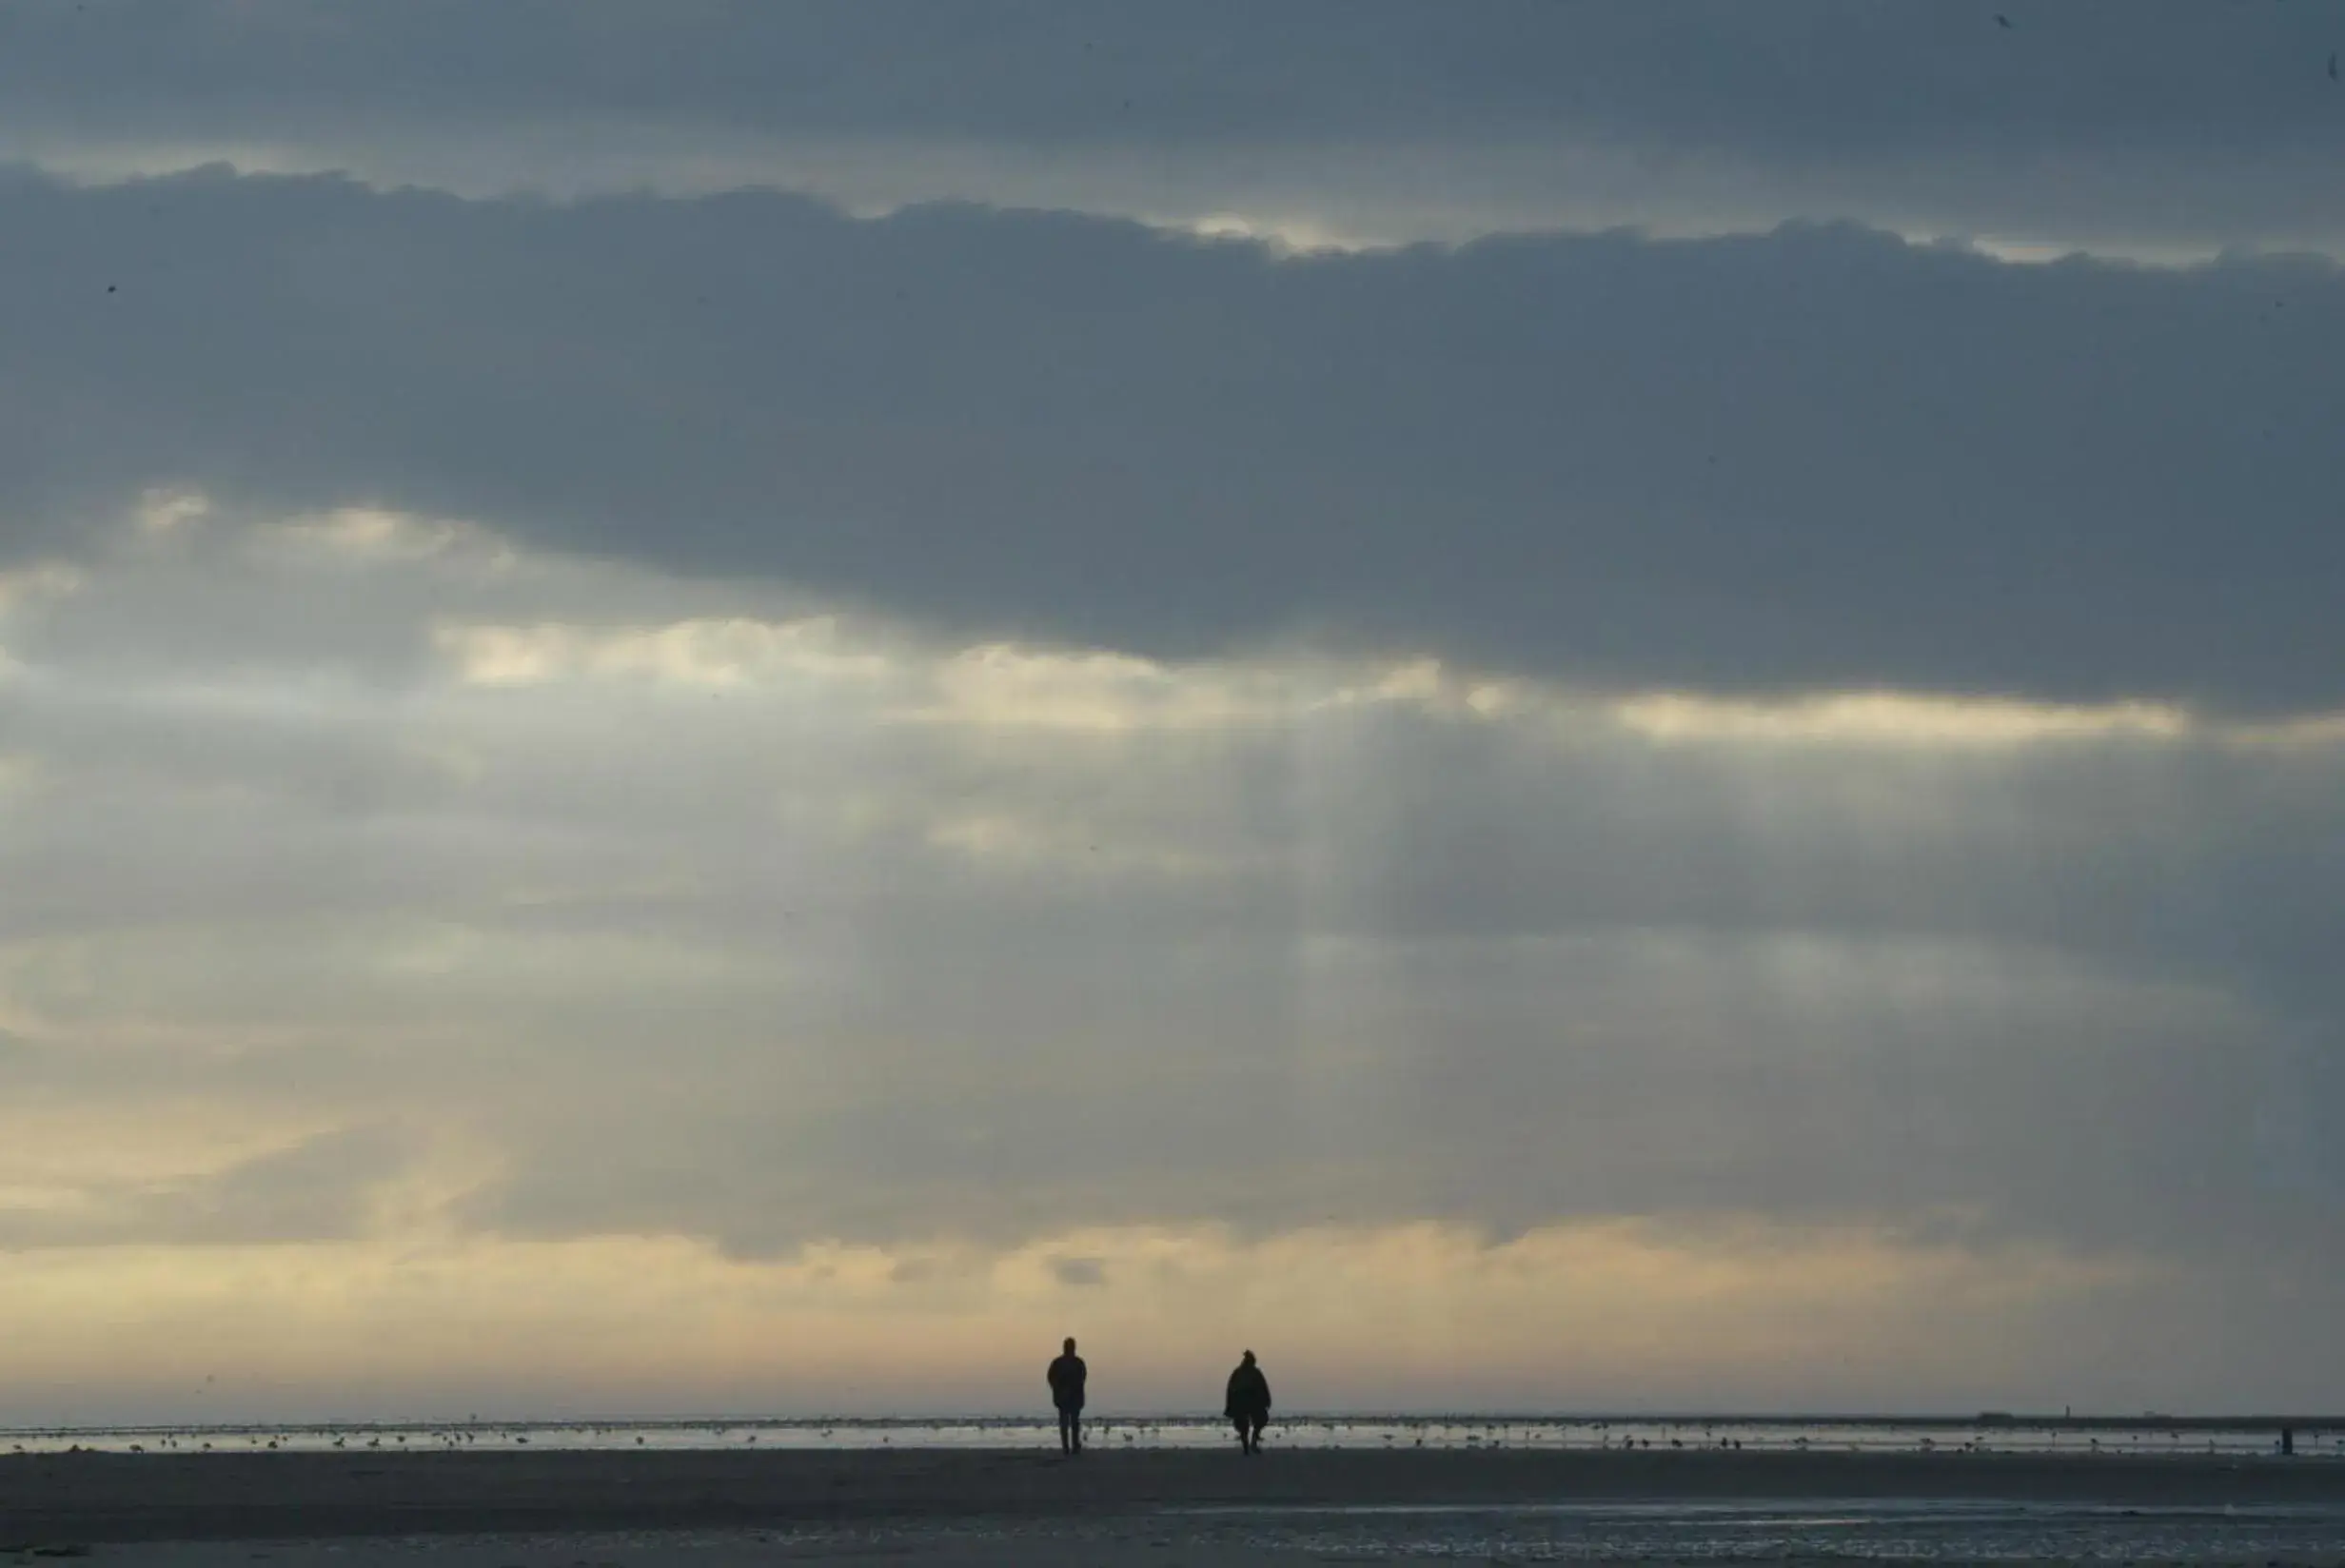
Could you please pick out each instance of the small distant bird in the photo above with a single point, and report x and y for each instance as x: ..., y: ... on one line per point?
x: 2001, y: 20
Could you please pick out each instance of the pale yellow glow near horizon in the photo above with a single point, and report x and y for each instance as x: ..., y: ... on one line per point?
x: 70, y: 1151
x: 1347, y: 1315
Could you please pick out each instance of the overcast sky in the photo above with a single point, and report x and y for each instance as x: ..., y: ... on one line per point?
x: 747, y: 707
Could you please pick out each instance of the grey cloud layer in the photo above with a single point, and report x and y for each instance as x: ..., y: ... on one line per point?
x: 1358, y: 960
x: 565, y: 873
x: 1818, y: 458
x: 2142, y: 124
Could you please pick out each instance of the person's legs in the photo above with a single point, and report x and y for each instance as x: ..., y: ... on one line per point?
x: 1066, y: 1431
x: 1239, y: 1422
x: 1253, y: 1439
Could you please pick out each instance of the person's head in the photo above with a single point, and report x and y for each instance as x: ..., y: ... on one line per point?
x: 1069, y: 1346
x: 1247, y: 1359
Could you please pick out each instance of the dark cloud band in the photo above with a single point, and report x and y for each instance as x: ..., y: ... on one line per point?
x: 1816, y: 458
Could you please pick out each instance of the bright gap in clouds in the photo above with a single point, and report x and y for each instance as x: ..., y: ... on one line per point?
x: 443, y: 974
x: 1295, y: 201
x: 1310, y: 196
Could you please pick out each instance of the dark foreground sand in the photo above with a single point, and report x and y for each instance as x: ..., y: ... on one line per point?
x: 109, y: 1498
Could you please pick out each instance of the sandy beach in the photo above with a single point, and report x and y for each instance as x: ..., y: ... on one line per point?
x: 979, y: 1507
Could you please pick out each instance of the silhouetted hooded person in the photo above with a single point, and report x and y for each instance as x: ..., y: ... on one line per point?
x: 1066, y: 1377
x: 1248, y: 1403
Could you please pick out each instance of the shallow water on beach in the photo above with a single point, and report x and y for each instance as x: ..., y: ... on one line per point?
x: 1917, y: 1530
x: 1300, y: 1432
x: 1654, y: 1534
x: 1651, y: 1533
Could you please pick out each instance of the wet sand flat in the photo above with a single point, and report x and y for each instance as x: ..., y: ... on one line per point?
x: 111, y: 1498
x: 1008, y: 1551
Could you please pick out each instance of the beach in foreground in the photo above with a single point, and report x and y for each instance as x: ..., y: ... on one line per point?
x: 1161, y: 1507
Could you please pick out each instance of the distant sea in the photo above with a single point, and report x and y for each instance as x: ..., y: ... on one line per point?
x: 1854, y: 1435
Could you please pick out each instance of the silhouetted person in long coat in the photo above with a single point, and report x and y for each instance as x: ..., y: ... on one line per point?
x: 1248, y: 1403
x: 1067, y: 1375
